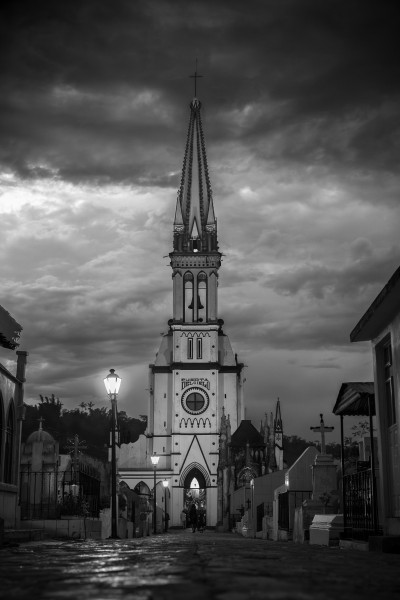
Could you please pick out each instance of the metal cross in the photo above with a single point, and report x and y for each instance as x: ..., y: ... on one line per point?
x: 195, y: 76
x: 322, y: 430
x: 74, y: 447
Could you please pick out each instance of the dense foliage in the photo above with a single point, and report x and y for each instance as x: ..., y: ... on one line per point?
x: 91, y: 424
x: 293, y: 445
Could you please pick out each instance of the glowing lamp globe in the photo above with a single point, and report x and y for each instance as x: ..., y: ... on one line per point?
x: 112, y: 382
x: 155, y: 459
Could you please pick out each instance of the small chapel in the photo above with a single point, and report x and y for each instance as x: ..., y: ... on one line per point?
x: 195, y: 381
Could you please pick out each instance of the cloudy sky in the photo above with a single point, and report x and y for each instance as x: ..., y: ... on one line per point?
x: 301, y: 114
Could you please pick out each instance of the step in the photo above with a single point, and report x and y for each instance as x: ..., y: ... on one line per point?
x: 385, y: 543
x: 23, y: 535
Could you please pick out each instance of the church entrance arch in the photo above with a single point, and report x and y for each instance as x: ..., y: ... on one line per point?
x: 195, y: 491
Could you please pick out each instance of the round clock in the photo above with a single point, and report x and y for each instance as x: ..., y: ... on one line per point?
x: 195, y: 401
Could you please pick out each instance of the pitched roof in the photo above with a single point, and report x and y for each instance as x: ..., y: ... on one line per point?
x: 246, y: 432
x: 354, y: 399
x: 380, y: 313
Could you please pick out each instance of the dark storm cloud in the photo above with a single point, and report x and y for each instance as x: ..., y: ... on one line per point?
x: 317, y: 61
x: 352, y: 281
x: 301, y: 118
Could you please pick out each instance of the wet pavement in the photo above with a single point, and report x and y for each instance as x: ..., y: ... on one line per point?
x: 182, y: 565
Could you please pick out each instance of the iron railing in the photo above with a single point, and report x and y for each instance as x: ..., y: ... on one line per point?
x: 51, y: 494
x: 360, y: 510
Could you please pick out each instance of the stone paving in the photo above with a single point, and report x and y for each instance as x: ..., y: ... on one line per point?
x: 182, y: 565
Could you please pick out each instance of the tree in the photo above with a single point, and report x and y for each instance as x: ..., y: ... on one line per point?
x: 89, y: 423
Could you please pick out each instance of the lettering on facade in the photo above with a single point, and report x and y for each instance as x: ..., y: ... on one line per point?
x: 196, y: 381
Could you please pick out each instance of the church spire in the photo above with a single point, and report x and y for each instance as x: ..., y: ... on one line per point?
x: 195, y: 258
x: 195, y: 225
x: 278, y: 435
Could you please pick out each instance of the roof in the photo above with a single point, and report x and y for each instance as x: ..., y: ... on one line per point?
x: 246, y: 432
x: 10, y: 330
x: 380, y: 313
x: 40, y: 436
x: 354, y: 399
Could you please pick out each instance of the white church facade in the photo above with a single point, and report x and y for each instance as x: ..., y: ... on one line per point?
x: 196, y: 377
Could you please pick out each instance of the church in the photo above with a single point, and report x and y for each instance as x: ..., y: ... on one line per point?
x: 196, y: 380
x: 195, y: 376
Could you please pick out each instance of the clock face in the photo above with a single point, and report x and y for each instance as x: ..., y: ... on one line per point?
x: 195, y: 400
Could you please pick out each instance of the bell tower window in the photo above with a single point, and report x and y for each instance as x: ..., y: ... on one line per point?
x: 188, y: 291
x: 202, y: 297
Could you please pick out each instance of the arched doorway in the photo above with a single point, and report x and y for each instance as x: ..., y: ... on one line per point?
x: 195, y: 490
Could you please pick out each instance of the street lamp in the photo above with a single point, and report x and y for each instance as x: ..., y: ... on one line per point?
x: 112, y: 383
x: 165, y: 484
x: 154, y: 460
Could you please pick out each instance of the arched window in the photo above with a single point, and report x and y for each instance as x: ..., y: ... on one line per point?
x: 188, y: 300
x: 9, y: 445
x: 190, y: 347
x: 199, y: 347
x: 142, y: 489
x: 202, y: 297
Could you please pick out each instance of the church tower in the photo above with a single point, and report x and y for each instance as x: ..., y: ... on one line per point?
x: 196, y: 378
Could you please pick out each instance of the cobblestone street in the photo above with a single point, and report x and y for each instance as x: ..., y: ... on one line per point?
x: 183, y: 565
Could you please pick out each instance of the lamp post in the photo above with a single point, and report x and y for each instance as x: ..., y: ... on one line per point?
x: 154, y: 460
x: 112, y: 383
x: 165, y: 484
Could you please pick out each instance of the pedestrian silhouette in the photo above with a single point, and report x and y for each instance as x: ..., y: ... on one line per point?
x: 193, y: 516
x: 183, y: 518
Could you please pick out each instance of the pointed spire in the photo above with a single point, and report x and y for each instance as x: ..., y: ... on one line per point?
x: 278, y: 418
x: 228, y: 429
x: 195, y: 216
x: 178, y: 221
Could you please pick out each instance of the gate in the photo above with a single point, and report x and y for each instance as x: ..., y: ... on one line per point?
x: 360, y: 512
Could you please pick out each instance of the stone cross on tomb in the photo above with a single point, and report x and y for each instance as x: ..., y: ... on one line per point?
x: 322, y: 429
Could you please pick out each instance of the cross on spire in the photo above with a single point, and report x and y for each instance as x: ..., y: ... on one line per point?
x: 41, y: 423
x: 322, y: 429
x: 195, y: 77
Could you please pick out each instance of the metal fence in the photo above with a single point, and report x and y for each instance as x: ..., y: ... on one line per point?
x: 54, y: 493
x: 360, y: 512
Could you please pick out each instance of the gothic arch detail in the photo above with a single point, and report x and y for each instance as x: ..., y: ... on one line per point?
x: 195, y: 470
x: 245, y: 476
x: 195, y: 422
x: 142, y: 489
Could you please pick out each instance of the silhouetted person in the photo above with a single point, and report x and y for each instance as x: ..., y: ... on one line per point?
x: 183, y: 519
x: 193, y: 516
